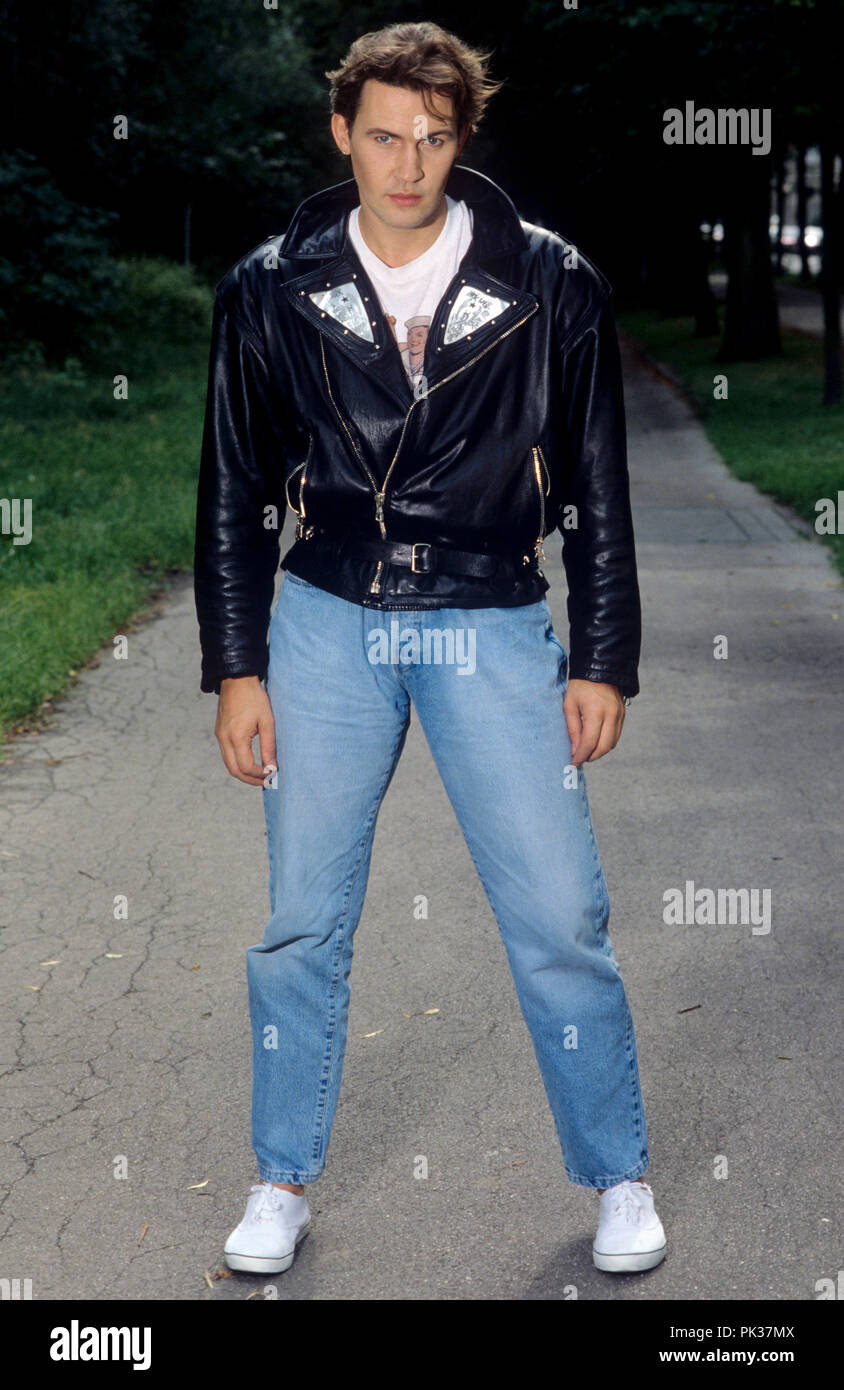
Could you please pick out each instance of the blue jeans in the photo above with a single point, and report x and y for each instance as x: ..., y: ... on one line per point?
x: 340, y: 681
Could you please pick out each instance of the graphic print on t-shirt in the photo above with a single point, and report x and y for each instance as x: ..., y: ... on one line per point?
x: 411, y: 344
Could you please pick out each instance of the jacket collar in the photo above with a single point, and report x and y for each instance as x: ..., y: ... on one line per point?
x: 333, y: 292
x: 319, y: 227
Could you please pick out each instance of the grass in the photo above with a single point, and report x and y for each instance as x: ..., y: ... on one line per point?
x: 113, y: 489
x: 772, y: 430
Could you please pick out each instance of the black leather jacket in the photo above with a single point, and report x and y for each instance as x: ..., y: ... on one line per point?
x: 518, y: 429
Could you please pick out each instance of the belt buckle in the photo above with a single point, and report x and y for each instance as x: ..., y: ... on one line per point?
x: 414, y: 569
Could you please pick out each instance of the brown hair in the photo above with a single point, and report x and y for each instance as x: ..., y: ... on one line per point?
x: 421, y: 56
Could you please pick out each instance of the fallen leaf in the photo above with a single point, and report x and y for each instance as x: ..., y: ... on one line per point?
x: 49, y: 962
x: 195, y: 1185
x: 360, y: 1035
x: 35, y: 987
x: 207, y: 1277
x: 143, y: 1232
x: 114, y: 955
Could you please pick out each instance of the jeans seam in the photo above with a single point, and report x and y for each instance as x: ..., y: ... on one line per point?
x: 319, y: 1117
x: 637, y: 1113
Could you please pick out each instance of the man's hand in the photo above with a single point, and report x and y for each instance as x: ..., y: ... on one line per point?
x: 594, y: 718
x: 243, y: 711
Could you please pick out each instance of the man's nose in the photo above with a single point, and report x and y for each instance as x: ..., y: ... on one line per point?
x: 410, y: 162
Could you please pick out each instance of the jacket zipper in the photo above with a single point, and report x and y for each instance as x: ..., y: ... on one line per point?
x: 538, y: 467
x: 375, y: 586
x: 301, y: 530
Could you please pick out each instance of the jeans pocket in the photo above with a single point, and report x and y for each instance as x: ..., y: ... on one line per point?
x: 562, y: 654
x: 295, y: 580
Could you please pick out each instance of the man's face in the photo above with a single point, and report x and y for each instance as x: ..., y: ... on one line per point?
x: 401, y: 152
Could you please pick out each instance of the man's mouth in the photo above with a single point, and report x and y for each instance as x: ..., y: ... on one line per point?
x: 405, y: 199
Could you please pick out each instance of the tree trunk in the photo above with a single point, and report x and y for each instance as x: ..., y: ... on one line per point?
x: 780, y: 213
x: 706, y: 306
x: 751, y: 325
x: 830, y: 277
x: 801, y: 216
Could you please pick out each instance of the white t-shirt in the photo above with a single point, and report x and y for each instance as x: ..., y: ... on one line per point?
x: 409, y: 294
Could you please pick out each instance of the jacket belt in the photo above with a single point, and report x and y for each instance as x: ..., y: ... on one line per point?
x: 421, y: 557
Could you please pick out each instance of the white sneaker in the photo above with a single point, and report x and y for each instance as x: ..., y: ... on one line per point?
x: 266, y: 1239
x: 630, y: 1235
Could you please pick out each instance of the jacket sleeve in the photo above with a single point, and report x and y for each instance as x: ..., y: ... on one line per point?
x: 604, y: 609
x: 239, y: 517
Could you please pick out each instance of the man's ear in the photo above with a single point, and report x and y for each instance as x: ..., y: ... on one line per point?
x: 340, y: 131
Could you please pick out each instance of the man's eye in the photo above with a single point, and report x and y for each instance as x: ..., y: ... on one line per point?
x: 435, y: 140
x: 383, y: 137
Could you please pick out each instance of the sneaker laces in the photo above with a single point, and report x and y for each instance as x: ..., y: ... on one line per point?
x: 268, y: 1204
x: 625, y: 1201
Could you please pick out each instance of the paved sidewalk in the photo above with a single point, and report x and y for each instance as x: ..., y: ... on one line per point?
x: 129, y: 1040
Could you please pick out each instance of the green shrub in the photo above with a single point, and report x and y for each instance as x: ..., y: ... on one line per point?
x: 162, y: 300
x: 59, y: 286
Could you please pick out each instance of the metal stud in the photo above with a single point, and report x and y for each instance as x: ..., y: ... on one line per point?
x: 322, y: 315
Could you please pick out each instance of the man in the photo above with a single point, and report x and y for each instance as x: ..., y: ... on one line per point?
x: 422, y: 492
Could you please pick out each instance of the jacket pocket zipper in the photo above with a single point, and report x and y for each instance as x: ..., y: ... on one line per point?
x: 303, y: 532
x: 538, y: 469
